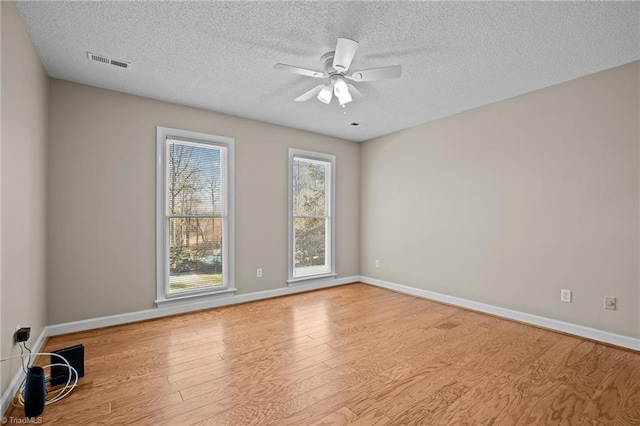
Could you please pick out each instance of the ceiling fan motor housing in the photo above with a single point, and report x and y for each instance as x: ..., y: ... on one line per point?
x: 327, y: 60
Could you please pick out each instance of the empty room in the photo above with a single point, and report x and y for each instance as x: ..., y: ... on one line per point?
x: 320, y: 213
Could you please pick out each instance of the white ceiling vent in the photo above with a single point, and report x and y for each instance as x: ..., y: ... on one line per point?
x: 108, y: 61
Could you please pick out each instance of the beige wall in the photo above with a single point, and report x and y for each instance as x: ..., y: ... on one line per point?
x: 24, y: 147
x: 102, y: 188
x: 509, y: 203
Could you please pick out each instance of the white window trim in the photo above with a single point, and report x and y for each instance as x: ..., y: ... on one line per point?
x: 163, y: 298
x: 293, y: 280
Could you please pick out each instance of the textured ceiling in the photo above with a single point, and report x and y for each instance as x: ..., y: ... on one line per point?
x: 220, y: 55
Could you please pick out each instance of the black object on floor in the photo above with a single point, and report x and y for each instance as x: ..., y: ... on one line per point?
x: 75, y: 356
x: 34, y: 392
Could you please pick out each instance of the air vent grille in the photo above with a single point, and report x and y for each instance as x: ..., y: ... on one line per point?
x: 109, y: 61
x: 119, y: 64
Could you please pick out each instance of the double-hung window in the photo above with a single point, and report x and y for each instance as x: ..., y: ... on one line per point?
x: 194, y: 214
x: 311, y: 215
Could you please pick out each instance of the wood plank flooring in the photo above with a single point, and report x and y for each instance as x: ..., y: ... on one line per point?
x: 354, y: 354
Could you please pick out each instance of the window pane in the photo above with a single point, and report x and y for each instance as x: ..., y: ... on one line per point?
x: 195, y: 253
x: 195, y: 179
x: 310, y: 242
x: 309, y: 179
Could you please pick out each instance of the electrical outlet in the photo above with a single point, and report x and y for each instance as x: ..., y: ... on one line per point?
x: 22, y: 335
x: 565, y: 295
x: 610, y: 303
x: 259, y: 272
x: 377, y: 263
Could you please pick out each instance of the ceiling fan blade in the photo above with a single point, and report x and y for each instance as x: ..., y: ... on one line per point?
x: 357, y: 95
x: 394, y: 71
x: 345, y: 51
x: 298, y: 70
x: 309, y: 94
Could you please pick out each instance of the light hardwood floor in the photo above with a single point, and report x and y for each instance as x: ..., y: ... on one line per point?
x: 354, y: 354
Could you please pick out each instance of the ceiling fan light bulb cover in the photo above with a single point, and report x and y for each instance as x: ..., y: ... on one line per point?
x: 325, y: 95
x: 345, y: 98
x: 340, y: 87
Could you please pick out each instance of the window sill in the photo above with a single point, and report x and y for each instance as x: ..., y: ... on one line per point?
x: 188, y: 299
x: 310, y: 279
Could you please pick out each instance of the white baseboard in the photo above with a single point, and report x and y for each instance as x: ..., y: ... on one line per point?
x: 565, y: 327
x: 18, y: 378
x: 71, y: 327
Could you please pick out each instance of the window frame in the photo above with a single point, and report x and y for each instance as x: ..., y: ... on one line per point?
x: 163, y: 295
x: 330, y: 248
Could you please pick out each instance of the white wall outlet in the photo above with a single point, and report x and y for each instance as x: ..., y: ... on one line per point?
x: 610, y: 303
x: 565, y: 295
x: 377, y: 263
x: 259, y: 272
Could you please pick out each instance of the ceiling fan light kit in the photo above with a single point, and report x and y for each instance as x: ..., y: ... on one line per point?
x: 336, y: 66
x: 325, y: 94
x: 341, y: 91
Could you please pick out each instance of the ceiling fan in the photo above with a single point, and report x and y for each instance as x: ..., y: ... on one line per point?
x: 336, y: 68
